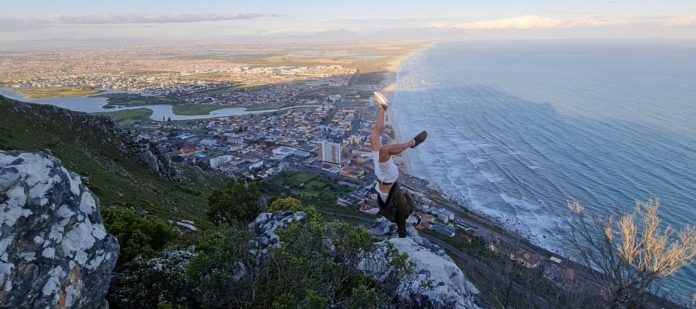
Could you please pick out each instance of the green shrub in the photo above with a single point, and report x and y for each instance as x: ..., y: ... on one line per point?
x: 222, y: 273
x: 137, y: 234
x: 285, y: 203
x: 153, y: 283
x: 366, y: 297
x: 237, y: 202
x: 303, y: 272
x: 221, y: 270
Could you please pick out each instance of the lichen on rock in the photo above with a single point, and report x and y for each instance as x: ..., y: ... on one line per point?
x: 54, y: 249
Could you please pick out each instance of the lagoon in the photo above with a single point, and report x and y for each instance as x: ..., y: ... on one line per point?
x: 160, y: 112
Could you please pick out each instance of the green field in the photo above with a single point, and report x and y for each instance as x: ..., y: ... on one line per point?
x: 311, y: 189
x: 196, y: 109
x: 131, y: 116
x: 131, y: 99
x: 204, y: 109
x: 43, y: 93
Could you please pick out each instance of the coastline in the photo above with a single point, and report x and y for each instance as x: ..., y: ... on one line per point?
x: 513, y: 231
x: 390, y: 90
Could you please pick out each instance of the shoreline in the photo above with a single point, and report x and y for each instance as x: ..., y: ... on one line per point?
x: 390, y: 90
x: 405, y: 165
x: 512, y: 230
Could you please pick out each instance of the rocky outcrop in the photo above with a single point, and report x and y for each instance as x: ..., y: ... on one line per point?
x: 265, y: 226
x: 150, y: 155
x: 437, y: 282
x: 384, y: 228
x: 54, y: 249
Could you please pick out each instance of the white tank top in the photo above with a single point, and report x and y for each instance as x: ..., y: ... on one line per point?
x: 385, y: 171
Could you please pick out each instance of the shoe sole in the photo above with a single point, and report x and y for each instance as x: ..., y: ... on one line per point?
x: 380, y: 99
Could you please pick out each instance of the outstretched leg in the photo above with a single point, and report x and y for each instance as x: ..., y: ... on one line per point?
x: 395, y: 149
x: 376, y: 136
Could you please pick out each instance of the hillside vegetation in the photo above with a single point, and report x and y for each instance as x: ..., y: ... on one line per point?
x: 90, y: 146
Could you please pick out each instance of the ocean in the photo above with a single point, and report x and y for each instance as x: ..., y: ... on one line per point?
x: 518, y: 129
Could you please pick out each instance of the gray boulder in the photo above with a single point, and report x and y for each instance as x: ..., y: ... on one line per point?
x: 54, y: 249
x: 384, y: 228
x: 436, y: 281
x: 265, y: 226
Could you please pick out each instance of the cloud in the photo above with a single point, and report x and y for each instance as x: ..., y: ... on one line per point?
x: 99, y: 19
x: 685, y: 20
x: 534, y: 22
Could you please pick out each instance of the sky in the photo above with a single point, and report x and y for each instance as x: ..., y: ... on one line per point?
x: 43, y: 23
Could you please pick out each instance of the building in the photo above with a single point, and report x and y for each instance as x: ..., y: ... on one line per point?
x: 333, y: 98
x: 447, y: 230
x: 330, y: 152
x: 527, y: 259
x: 443, y: 214
x: 462, y: 225
x: 216, y: 163
x: 283, y: 151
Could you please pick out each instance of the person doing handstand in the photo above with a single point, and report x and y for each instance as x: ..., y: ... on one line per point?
x: 394, y: 205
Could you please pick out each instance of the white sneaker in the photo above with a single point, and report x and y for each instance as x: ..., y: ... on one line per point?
x: 381, y: 100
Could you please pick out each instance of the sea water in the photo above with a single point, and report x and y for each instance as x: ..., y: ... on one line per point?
x: 518, y: 129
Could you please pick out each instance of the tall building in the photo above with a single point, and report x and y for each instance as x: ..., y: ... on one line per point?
x: 330, y: 152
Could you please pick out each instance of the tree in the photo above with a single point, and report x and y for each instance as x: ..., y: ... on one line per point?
x: 239, y: 201
x: 286, y: 203
x: 631, y: 255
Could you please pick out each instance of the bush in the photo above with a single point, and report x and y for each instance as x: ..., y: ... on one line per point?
x: 286, y: 203
x: 632, y: 252
x: 137, y: 234
x: 222, y: 268
x: 238, y: 202
x: 160, y: 282
x: 314, y: 267
x: 306, y: 273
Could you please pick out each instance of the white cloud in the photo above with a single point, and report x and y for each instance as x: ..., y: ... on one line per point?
x: 685, y: 20
x: 534, y: 22
x: 95, y: 19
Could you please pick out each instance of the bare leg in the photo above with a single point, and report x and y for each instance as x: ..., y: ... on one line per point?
x: 376, y: 136
x: 395, y: 149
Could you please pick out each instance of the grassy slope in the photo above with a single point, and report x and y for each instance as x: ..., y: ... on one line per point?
x: 90, y: 151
